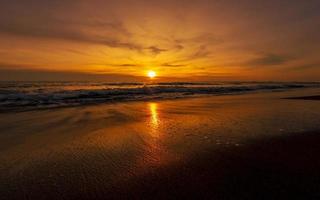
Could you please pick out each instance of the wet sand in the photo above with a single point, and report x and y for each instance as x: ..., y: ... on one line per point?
x: 306, y: 98
x: 273, y: 168
x: 254, y: 146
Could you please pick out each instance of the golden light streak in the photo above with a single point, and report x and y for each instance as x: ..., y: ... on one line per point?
x: 154, y: 119
x: 154, y: 114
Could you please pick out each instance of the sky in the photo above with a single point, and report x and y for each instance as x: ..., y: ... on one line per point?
x: 181, y: 40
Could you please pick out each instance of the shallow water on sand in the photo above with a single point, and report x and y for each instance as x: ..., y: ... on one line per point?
x: 67, y: 152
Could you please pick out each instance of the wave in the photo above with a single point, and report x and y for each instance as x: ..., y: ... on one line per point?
x: 47, y: 95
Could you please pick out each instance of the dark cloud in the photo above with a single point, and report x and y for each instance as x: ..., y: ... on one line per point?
x: 43, y: 75
x: 123, y: 65
x: 173, y: 65
x: 178, y: 47
x: 128, y: 65
x: 269, y: 59
x: 63, y: 33
x: 114, y: 65
x: 41, y: 19
x: 156, y: 50
x: 303, y: 67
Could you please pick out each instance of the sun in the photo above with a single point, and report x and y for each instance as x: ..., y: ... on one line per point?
x: 152, y: 74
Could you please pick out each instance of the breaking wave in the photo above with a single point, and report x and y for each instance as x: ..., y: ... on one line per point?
x: 52, y: 94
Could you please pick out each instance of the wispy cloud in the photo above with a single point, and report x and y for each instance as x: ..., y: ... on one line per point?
x: 47, y: 75
x: 173, y: 65
x: 269, y: 60
x: 156, y: 50
x: 303, y: 67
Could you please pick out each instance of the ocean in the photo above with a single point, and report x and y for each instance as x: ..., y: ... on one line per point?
x: 37, y: 95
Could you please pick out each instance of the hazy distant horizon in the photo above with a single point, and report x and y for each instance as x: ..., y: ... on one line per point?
x: 46, y: 75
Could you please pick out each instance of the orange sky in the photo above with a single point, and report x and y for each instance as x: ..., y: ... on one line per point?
x: 181, y: 40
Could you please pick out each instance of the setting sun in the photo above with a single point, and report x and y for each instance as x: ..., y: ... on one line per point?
x: 152, y: 74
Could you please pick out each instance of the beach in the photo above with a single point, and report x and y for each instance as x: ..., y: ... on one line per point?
x: 260, y: 145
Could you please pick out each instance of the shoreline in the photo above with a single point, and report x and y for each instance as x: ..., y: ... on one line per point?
x: 18, y: 109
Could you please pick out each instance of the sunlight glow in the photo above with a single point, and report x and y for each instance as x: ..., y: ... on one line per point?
x: 152, y: 74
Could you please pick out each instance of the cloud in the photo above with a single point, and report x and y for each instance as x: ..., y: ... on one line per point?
x: 64, y: 33
x: 76, y: 31
x: 305, y: 66
x: 269, y: 59
x: 173, y: 65
x: 156, y: 50
x: 208, y: 38
x: 202, y: 38
x: 46, y: 20
x: 201, y: 52
x: 44, y: 75
x: 123, y: 65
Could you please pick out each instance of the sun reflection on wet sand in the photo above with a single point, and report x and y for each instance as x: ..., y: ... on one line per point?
x: 154, y: 120
x: 155, y: 153
x: 154, y: 115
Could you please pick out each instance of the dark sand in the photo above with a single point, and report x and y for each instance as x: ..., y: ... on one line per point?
x: 273, y: 168
x: 316, y: 98
x: 236, y: 147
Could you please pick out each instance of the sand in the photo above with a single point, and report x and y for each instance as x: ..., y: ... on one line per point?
x: 307, y: 98
x: 253, y: 146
